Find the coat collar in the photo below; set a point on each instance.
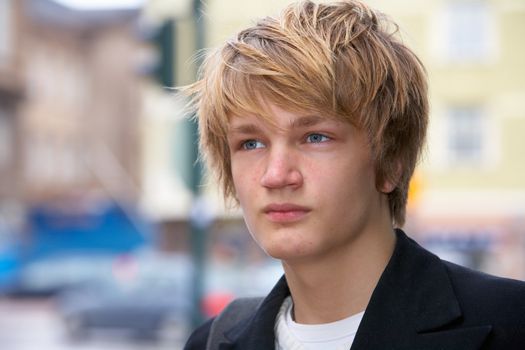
(412, 307)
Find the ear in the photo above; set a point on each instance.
(390, 182)
(388, 186)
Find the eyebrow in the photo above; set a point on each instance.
(306, 121)
(244, 129)
(300, 122)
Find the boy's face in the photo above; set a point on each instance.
(307, 188)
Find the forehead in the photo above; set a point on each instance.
(278, 117)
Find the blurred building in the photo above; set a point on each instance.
(82, 105)
(468, 198)
(70, 108)
(11, 96)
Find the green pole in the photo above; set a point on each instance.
(199, 219)
(164, 39)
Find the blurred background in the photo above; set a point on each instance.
(112, 237)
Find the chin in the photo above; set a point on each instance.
(287, 251)
(285, 243)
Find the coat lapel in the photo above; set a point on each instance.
(414, 306)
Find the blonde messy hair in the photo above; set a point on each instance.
(339, 60)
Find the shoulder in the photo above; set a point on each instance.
(480, 296)
(482, 286)
(500, 300)
(234, 315)
(199, 337)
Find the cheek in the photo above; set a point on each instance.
(343, 182)
(245, 182)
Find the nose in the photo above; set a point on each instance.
(282, 170)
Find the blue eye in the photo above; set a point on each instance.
(317, 138)
(252, 144)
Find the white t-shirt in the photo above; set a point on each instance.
(290, 335)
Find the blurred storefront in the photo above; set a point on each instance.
(70, 108)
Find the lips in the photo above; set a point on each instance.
(285, 212)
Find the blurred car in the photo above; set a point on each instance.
(224, 283)
(50, 275)
(255, 279)
(148, 297)
(259, 279)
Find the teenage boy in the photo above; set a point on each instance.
(313, 122)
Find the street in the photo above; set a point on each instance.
(34, 325)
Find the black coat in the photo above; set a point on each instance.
(419, 303)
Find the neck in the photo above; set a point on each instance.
(336, 286)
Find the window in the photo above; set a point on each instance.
(468, 31)
(466, 135)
